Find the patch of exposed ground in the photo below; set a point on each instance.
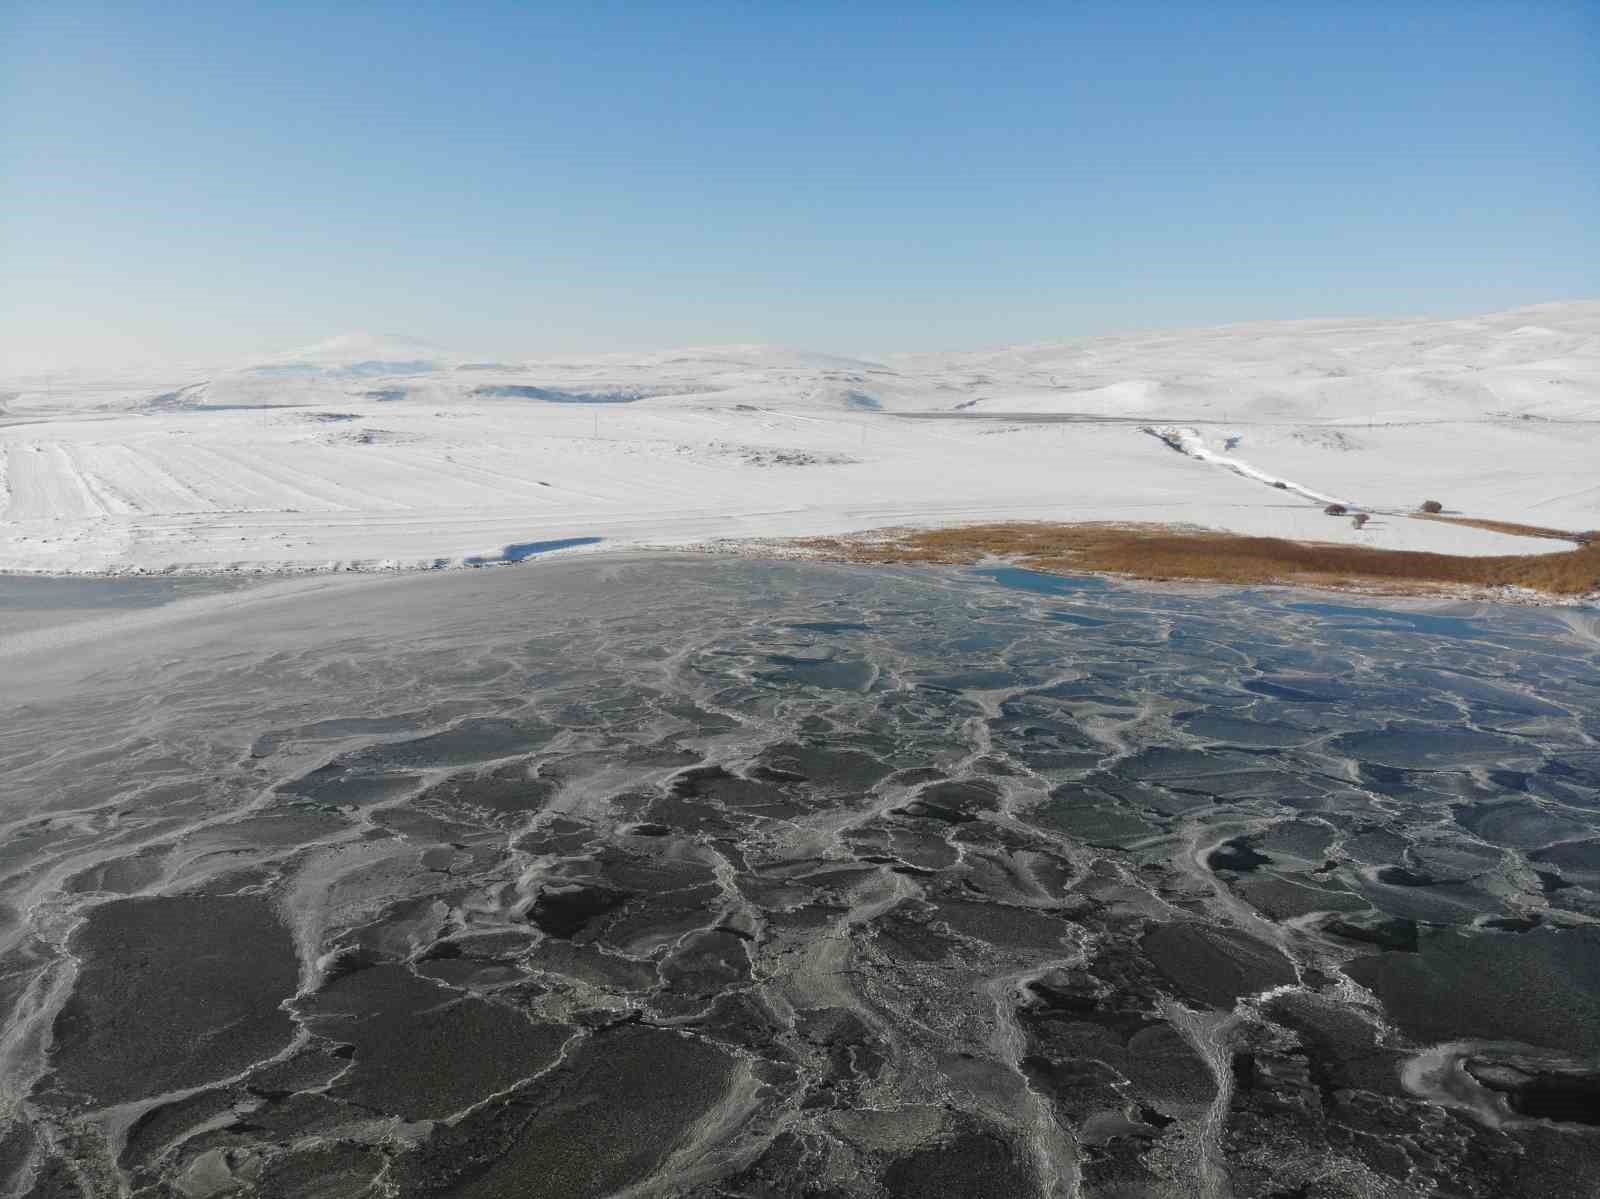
(1511, 528)
(756, 455)
(1167, 552)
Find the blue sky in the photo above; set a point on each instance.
(230, 179)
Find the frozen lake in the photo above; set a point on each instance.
(708, 877)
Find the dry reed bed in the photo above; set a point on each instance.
(1163, 552)
(1506, 526)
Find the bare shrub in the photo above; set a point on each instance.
(1335, 510)
(1432, 506)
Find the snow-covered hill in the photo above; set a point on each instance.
(1542, 361)
(367, 451)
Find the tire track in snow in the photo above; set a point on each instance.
(1189, 443)
(65, 479)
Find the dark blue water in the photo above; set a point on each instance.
(1381, 618)
(1041, 584)
(553, 395)
(522, 550)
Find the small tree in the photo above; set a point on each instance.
(1359, 519)
(1432, 506)
(1335, 510)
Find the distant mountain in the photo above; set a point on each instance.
(1539, 362)
(358, 355)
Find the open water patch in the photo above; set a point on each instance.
(1351, 617)
(1037, 583)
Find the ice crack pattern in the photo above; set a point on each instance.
(713, 878)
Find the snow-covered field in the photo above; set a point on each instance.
(373, 453)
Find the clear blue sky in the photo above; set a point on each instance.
(228, 178)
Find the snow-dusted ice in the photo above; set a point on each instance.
(387, 453)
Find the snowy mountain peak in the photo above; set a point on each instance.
(356, 355)
(347, 348)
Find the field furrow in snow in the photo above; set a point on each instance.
(258, 482)
(140, 478)
(46, 486)
(112, 498)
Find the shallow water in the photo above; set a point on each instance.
(731, 878)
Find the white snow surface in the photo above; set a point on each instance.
(370, 452)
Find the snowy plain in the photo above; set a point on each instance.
(377, 453)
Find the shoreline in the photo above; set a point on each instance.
(1173, 554)
(997, 543)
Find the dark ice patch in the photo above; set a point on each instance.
(1518, 824)
(509, 790)
(1409, 746)
(974, 1164)
(173, 992)
(479, 739)
(1215, 966)
(953, 802)
(1540, 987)
(829, 627)
(843, 674)
(567, 910)
(1003, 925)
(1237, 855)
(826, 767)
(705, 964)
(1092, 817)
(423, 1051)
(1386, 933)
(1237, 730)
(620, 1104)
(1578, 861)
(332, 730)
